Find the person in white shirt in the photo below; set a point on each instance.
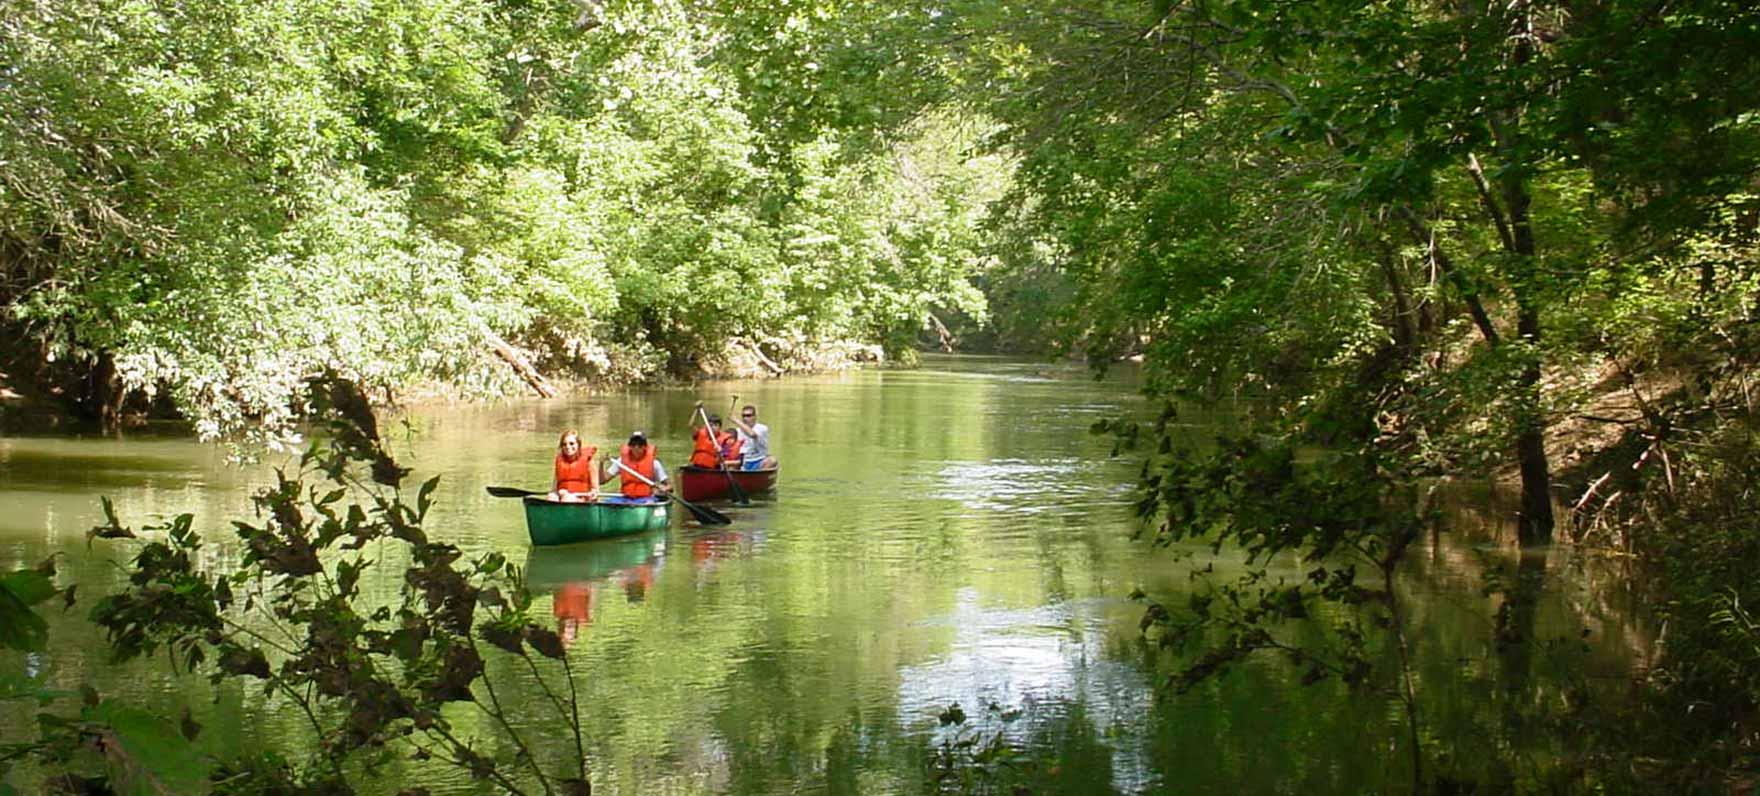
(754, 440)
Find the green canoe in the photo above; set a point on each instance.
(566, 523)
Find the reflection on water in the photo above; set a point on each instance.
(1019, 663)
(1074, 486)
(574, 575)
(951, 535)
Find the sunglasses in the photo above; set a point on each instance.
(748, 414)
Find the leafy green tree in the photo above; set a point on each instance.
(207, 204)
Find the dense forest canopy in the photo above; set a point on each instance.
(211, 202)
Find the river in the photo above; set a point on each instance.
(940, 536)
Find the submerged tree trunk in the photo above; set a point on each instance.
(1536, 519)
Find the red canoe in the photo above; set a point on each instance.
(699, 483)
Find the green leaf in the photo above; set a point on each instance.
(20, 627)
(425, 497)
(112, 527)
(151, 755)
(29, 586)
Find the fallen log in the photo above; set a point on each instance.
(525, 370)
(774, 368)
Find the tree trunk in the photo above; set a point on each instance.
(1405, 334)
(107, 393)
(1536, 521)
(1424, 236)
(525, 370)
(941, 332)
(775, 369)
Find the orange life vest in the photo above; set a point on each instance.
(576, 476)
(704, 454)
(633, 487)
(730, 446)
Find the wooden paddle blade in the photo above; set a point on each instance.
(510, 492)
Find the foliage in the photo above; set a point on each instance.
(373, 678)
(1256, 499)
(1322, 203)
(994, 752)
(138, 752)
(1393, 242)
(207, 204)
(20, 592)
(1697, 525)
(974, 762)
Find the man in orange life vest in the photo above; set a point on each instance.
(639, 456)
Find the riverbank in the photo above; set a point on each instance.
(27, 406)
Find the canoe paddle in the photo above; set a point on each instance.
(514, 491)
(739, 495)
(704, 514)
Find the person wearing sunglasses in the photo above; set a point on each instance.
(754, 439)
(576, 478)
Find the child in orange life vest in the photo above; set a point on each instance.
(576, 480)
(638, 458)
(730, 450)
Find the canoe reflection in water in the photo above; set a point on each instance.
(574, 574)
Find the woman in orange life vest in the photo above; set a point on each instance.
(576, 480)
(641, 457)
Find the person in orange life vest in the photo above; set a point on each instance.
(730, 447)
(641, 457)
(576, 480)
(705, 447)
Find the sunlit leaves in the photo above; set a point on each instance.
(224, 198)
(367, 672)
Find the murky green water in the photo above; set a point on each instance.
(940, 536)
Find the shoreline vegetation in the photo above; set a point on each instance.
(1425, 240)
(56, 410)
